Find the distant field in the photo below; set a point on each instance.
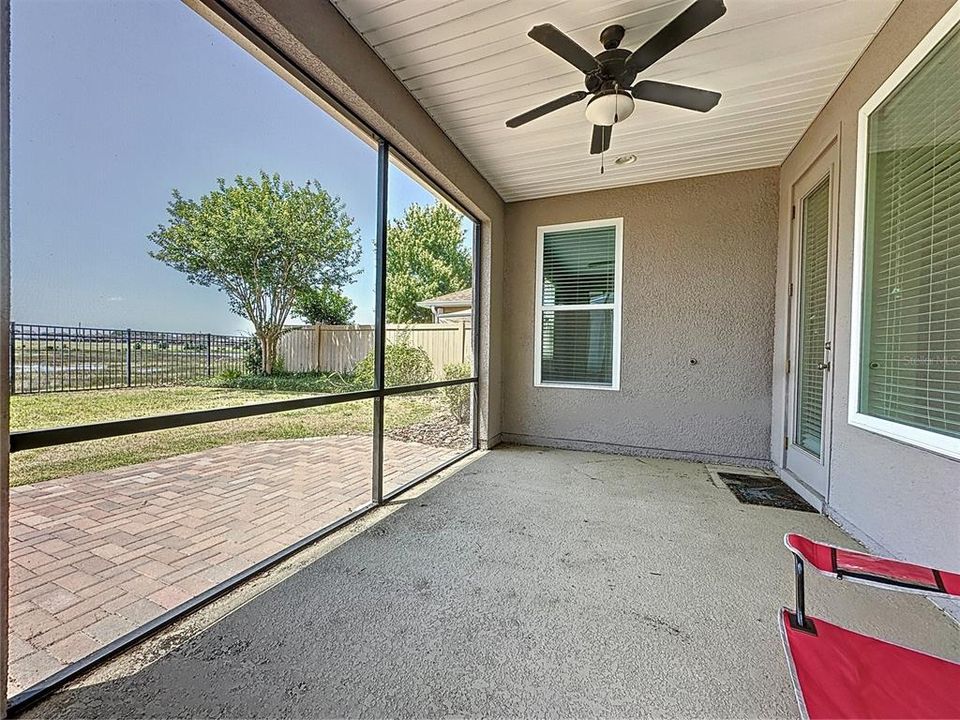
(57, 409)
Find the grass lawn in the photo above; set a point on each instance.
(74, 408)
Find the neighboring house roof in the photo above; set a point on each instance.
(460, 297)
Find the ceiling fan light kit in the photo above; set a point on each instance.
(610, 77)
(609, 107)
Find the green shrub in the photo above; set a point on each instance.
(253, 356)
(457, 397)
(253, 359)
(406, 364)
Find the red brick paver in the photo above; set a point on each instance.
(97, 555)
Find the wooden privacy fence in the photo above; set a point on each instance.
(338, 348)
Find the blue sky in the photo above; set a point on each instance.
(115, 103)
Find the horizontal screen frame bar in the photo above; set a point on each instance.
(47, 437)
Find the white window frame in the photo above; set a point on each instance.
(924, 439)
(538, 381)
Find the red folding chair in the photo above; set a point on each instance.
(838, 673)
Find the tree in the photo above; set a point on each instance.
(324, 306)
(262, 241)
(426, 257)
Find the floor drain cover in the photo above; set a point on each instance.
(762, 490)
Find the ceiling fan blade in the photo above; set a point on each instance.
(600, 142)
(549, 107)
(555, 41)
(683, 27)
(679, 96)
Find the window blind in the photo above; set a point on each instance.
(910, 344)
(577, 306)
(815, 240)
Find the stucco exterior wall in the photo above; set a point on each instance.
(324, 45)
(698, 283)
(898, 498)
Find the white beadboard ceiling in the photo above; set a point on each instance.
(472, 66)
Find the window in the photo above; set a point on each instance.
(812, 320)
(905, 363)
(578, 305)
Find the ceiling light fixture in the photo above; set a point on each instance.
(626, 160)
(609, 106)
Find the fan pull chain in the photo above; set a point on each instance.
(616, 119)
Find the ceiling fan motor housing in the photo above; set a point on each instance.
(612, 71)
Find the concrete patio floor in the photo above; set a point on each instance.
(94, 556)
(530, 583)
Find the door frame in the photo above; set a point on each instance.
(812, 473)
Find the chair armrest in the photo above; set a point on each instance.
(872, 570)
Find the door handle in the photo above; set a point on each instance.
(823, 365)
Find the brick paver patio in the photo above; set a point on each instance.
(97, 555)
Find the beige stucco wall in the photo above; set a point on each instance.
(698, 277)
(898, 498)
(323, 44)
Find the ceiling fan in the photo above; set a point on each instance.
(610, 75)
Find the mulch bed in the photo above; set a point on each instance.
(439, 431)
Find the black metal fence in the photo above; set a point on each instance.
(53, 358)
